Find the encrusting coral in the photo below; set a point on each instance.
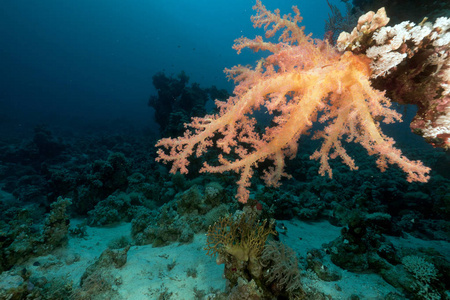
(303, 81)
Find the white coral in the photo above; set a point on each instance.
(443, 23)
(400, 34)
(388, 51)
(386, 62)
(380, 36)
(418, 33)
(442, 40)
(377, 51)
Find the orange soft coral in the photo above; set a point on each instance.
(301, 82)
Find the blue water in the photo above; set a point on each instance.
(93, 60)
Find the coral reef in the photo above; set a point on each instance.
(98, 280)
(20, 239)
(115, 208)
(177, 101)
(13, 286)
(104, 178)
(361, 245)
(304, 85)
(56, 226)
(46, 144)
(191, 211)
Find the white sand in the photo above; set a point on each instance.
(146, 274)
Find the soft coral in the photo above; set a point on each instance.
(300, 79)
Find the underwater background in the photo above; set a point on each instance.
(87, 88)
(94, 60)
